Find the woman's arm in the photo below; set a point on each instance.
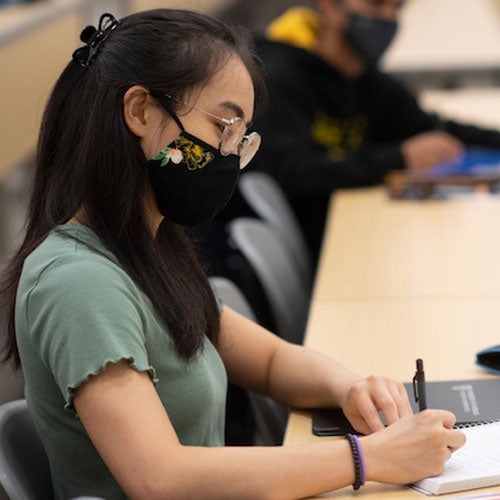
(132, 432)
(130, 428)
(303, 378)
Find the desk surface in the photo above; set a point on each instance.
(386, 336)
(402, 280)
(446, 35)
(377, 248)
(479, 106)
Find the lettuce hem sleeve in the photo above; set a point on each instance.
(139, 367)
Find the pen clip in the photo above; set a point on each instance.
(418, 389)
(415, 387)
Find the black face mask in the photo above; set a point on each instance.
(192, 181)
(370, 36)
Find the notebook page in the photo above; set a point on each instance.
(475, 465)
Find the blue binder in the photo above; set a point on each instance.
(475, 162)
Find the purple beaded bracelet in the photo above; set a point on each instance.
(359, 462)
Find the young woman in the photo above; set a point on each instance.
(125, 351)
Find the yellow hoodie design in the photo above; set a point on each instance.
(297, 26)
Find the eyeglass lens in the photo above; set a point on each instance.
(235, 141)
(249, 147)
(232, 136)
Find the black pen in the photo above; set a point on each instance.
(419, 386)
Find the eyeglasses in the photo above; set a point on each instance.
(234, 138)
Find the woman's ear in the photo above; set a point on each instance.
(136, 110)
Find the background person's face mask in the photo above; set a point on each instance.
(370, 36)
(191, 180)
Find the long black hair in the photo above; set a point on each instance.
(88, 159)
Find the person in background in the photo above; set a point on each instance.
(334, 120)
(125, 351)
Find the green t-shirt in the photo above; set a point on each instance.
(76, 311)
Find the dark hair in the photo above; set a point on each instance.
(88, 159)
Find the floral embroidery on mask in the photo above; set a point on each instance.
(167, 154)
(194, 155)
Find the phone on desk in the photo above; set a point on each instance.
(330, 422)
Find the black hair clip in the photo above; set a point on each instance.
(94, 38)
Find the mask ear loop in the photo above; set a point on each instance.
(176, 119)
(172, 113)
(161, 101)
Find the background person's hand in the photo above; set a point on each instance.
(424, 150)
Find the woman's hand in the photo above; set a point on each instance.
(412, 448)
(367, 396)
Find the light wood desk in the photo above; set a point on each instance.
(446, 35)
(376, 248)
(479, 105)
(402, 280)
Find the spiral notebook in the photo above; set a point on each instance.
(475, 465)
(472, 402)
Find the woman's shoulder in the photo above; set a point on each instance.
(69, 253)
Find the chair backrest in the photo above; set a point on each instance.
(24, 467)
(270, 417)
(283, 285)
(267, 199)
(11, 383)
(230, 294)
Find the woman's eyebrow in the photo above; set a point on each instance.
(234, 107)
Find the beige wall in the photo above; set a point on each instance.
(32, 59)
(29, 66)
(208, 6)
